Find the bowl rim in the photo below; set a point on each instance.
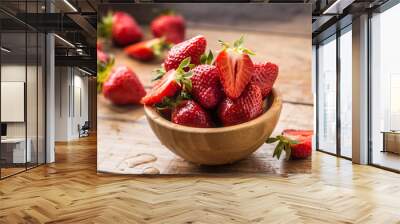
(275, 107)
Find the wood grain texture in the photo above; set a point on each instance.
(127, 145)
(70, 191)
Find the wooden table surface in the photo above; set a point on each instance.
(127, 145)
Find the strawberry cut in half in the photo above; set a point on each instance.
(169, 84)
(147, 50)
(192, 48)
(264, 76)
(297, 144)
(235, 68)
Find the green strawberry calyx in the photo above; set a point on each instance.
(104, 28)
(284, 144)
(172, 102)
(237, 46)
(183, 74)
(159, 45)
(207, 59)
(103, 71)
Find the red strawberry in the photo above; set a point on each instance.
(169, 84)
(264, 76)
(192, 48)
(235, 67)
(172, 27)
(121, 27)
(123, 87)
(245, 108)
(189, 113)
(293, 132)
(146, 50)
(206, 88)
(296, 144)
(302, 149)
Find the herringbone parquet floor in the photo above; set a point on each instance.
(70, 191)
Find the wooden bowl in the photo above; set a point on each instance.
(216, 146)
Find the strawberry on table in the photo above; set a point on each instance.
(170, 26)
(235, 68)
(264, 76)
(245, 108)
(146, 50)
(104, 66)
(297, 144)
(121, 27)
(123, 87)
(206, 88)
(169, 84)
(189, 113)
(192, 48)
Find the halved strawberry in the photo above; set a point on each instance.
(296, 132)
(297, 144)
(146, 50)
(235, 67)
(169, 84)
(264, 76)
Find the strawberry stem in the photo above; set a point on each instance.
(103, 71)
(237, 46)
(105, 26)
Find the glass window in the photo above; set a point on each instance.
(385, 89)
(346, 92)
(327, 96)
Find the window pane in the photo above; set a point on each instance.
(327, 96)
(385, 84)
(346, 94)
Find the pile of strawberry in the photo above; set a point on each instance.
(193, 89)
(120, 84)
(124, 31)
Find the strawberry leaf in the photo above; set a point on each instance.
(271, 140)
(103, 71)
(159, 73)
(238, 43)
(284, 144)
(207, 58)
(184, 63)
(105, 26)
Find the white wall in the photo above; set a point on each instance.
(71, 94)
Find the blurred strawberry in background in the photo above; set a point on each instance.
(147, 50)
(123, 87)
(170, 26)
(121, 28)
(105, 63)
